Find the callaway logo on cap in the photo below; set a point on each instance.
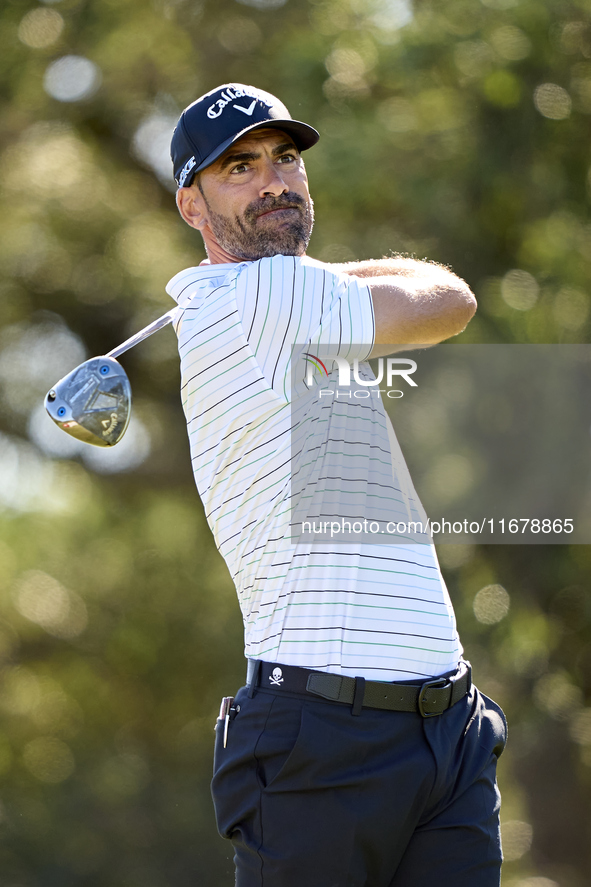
(220, 117)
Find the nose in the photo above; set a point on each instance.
(272, 184)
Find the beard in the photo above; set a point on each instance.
(250, 237)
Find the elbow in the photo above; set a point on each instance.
(461, 307)
(469, 306)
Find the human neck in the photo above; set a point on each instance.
(217, 255)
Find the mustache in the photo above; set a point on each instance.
(291, 200)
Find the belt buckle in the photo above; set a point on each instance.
(435, 684)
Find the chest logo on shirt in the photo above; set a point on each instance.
(277, 677)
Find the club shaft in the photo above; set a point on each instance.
(153, 327)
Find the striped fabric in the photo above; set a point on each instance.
(267, 452)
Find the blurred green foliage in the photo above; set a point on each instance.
(456, 130)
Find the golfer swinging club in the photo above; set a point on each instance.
(358, 754)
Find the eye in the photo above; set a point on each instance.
(240, 168)
(287, 158)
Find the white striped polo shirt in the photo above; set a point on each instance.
(359, 608)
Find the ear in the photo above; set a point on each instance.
(192, 207)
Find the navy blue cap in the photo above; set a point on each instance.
(216, 120)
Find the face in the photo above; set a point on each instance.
(255, 198)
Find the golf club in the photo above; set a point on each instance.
(93, 402)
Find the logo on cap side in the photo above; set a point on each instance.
(184, 173)
(229, 95)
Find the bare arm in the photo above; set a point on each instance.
(415, 303)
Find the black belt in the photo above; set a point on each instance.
(429, 698)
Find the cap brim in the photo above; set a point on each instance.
(303, 135)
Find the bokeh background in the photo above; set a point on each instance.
(457, 130)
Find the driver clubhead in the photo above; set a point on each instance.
(93, 402)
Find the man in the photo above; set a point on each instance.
(359, 754)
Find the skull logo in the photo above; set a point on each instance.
(277, 677)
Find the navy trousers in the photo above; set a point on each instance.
(312, 795)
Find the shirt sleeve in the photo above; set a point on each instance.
(290, 305)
